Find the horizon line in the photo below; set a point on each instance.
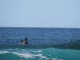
(34, 27)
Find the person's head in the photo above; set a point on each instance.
(25, 38)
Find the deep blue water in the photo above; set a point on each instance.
(40, 41)
(38, 36)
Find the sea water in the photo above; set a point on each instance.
(40, 45)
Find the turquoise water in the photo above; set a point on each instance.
(39, 54)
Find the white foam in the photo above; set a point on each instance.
(28, 55)
(41, 56)
(38, 51)
(3, 52)
(25, 55)
(57, 59)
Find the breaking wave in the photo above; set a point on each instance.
(27, 54)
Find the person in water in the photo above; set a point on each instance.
(25, 42)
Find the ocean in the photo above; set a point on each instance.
(44, 43)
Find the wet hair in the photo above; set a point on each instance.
(25, 38)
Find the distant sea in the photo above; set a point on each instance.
(44, 43)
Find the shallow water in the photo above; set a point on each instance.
(39, 54)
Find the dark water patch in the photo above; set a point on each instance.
(70, 45)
